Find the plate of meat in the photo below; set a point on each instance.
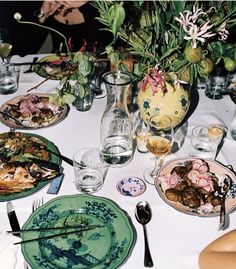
(32, 111)
(55, 67)
(195, 186)
(27, 164)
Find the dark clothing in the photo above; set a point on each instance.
(88, 31)
(27, 39)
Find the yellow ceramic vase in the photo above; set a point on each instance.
(172, 101)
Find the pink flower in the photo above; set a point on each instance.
(155, 79)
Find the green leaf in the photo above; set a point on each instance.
(85, 67)
(114, 57)
(81, 92)
(168, 53)
(118, 19)
(177, 7)
(67, 98)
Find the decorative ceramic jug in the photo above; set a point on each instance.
(172, 101)
(116, 131)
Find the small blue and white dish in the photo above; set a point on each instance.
(131, 186)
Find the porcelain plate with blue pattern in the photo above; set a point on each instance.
(106, 247)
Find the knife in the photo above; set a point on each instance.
(13, 218)
(31, 63)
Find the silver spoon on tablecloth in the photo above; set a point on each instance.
(143, 214)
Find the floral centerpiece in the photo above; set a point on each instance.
(182, 40)
(173, 43)
(77, 69)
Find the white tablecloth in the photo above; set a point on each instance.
(175, 238)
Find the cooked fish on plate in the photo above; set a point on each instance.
(25, 162)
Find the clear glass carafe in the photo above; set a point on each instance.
(116, 131)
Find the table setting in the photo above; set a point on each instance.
(163, 236)
(102, 168)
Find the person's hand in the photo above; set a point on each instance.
(60, 10)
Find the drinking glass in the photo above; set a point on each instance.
(159, 143)
(89, 170)
(5, 45)
(205, 140)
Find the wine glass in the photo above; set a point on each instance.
(158, 143)
(5, 45)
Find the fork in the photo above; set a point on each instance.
(223, 214)
(37, 203)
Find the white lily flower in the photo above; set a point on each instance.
(197, 13)
(199, 33)
(17, 16)
(223, 32)
(185, 20)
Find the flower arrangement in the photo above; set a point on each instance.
(78, 68)
(179, 41)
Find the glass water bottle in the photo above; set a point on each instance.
(116, 131)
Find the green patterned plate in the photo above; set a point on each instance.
(47, 72)
(103, 248)
(52, 147)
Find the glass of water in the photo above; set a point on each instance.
(89, 170)
(205, 140)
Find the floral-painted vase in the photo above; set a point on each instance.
(172, 101)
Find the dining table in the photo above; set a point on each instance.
(175, 238)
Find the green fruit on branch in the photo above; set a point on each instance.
(207, 66)
(185, 75)
(193, 55)
(230, 64)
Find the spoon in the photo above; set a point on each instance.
(143, 214)
(30, 70)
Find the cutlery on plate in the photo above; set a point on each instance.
(143, 214)
(8, 116)
(226, 188)
(31, 63)
(60, 234)
(13, 219)
(64, 158)
(30, 70)
(45, 229)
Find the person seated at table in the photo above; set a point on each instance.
(25, 38)
(77, 21)
(220, 254)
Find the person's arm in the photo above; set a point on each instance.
(221, 253)
(66, 12)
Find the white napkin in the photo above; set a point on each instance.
(10, 255)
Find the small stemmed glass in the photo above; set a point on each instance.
(5, 45)
(159, 143)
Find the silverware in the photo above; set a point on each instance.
(37, 203)
(48, 229)
(59, 234)
(64, 158)
(31, 63)
(30, 70)
(8, 116)
(226, 187)
(143, 215)
(13, 219)
(14, 224)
